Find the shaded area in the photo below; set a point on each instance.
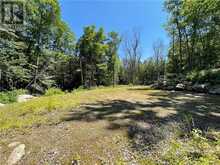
(148, 122)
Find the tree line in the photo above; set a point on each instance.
(45, 53)
(194, 29)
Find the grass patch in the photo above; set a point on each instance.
(19, 115)
(53, 91)
(195, 148)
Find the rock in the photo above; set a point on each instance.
(169, 88)
(200, 87)
(180, 86)
(189, 87)
(16, 154)
(215, 90)
(154, 86)
(2, 105)
(14, 144)
(23, 98)
(165, 83)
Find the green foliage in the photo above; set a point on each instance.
(28, 58)
(53, 91)
(193, 27)
(10, 96)
(98, 56)
(120, 162)
(150, 70)
(113, 61)
(205, 76)
(197, 149)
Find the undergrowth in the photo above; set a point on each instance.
(10, 96)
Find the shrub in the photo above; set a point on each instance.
(53, 91)
(130, 85)
(10, 96)
(205, 76)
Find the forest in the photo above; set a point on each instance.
(103, 79)
(44, 52)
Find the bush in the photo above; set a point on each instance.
(53, 91)
(10, 96)
(130, 84)
(205, 76)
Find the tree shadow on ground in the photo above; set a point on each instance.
(148, 122)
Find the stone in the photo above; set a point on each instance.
(24, 98)
(165, 83)
(13, 144)
(215, 90)
(189, 87)
(169, 88)
(180, 86)
(155, 86)
(16, 154)
(200, 87)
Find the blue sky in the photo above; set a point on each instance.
(119, 15)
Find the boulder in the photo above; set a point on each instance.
(215, 90)
(165, 83)
(13, 144)
(16, 154)
(189, 87)
(23, 98)
(155, 86)
(180, 86)
(169, 88)
(200, 87)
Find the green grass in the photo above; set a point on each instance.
(19, 115)
(53, 91)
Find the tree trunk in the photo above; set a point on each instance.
(81, 69)
(36, 70)
(180, 44)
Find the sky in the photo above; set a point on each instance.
(122, 16)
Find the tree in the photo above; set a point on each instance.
(158, 50)
(194, 28)
(91, 49)
(132, 50)
(28, 54)
(113, 59)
